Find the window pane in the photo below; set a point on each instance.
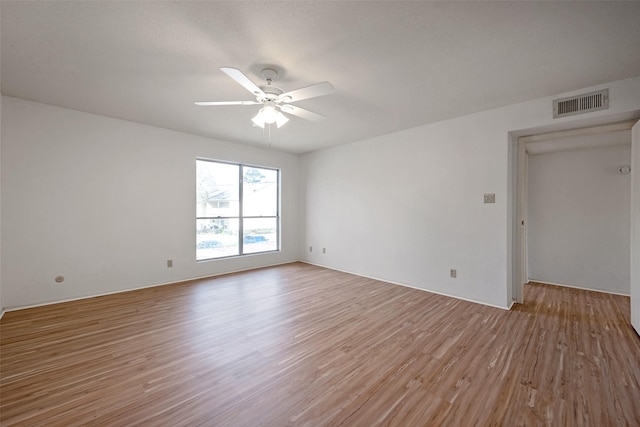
(219, 206)
(260, 192)
(217, 189)
(260, 235)
(216, 238)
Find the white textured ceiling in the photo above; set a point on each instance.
(394, 64)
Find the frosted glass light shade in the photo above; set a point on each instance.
(269, 115)
(281, 119)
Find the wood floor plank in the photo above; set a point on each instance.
(300, 345)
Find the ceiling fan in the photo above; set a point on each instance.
(274, 100)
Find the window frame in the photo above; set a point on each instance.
(241, 217)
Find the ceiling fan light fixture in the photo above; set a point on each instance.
(268, 114)
(281, 119)
(258, 120)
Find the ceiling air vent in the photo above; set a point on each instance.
(585, 103)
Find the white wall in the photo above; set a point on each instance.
(408, 206)
(106, 203)
(579, 218)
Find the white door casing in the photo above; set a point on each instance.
(635, 227)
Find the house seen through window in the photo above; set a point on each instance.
(237, 209)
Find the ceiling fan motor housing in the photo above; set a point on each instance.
(271, 93)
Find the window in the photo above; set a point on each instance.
(237, 210)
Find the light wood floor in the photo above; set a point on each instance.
(298, 345)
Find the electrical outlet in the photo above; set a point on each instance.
(310, 248)
(453, 273)
(490, 198)
(169, 263)
(324, 250)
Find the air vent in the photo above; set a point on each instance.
(585, 103)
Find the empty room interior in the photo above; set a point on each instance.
(311, 213)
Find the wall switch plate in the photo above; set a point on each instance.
(490, 198)
(169, 263)
(453, 273)
(324, 250)
(310, 248)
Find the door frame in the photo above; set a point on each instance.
(634, 286)
(518, 257)
(522, 275)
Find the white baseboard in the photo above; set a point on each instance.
(410, 286)
(24, 307)
(578, 287)
(6, 309)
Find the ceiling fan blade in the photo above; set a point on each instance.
(207, 103)
(243, 80)
(301, 112)
(319, 89)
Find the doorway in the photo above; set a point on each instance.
(543, 142)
